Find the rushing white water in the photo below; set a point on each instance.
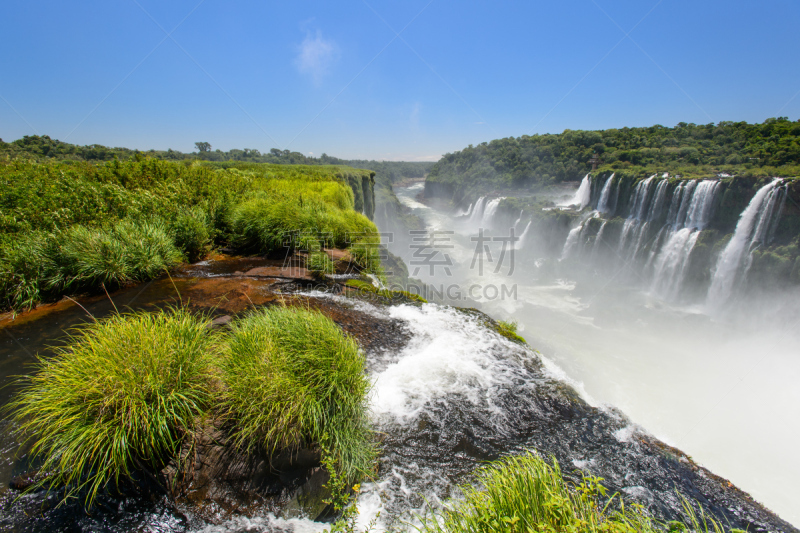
(672, 258)
(572, 241)
(583, 196)
(524, 236)
(723, 393)
(605, 195)
(670, 266)
(476, 215)
(490, 210)
(753, 225)
(519, 218)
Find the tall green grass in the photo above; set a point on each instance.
(521, 494)
(292, 378)
(119, 399)
(42, 265)
(71, 226)
(264, 223)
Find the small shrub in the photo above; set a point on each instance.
(508, 329)
(191, 234)
(293, 378)
(119, 398)
(526, 493)
(127, 251)
(24, 264)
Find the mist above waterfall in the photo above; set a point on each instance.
(615, 295)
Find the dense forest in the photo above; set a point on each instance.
(736, 148)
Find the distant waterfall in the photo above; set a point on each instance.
(571, 242)
(524, 236)
(464, 212)
(490, 210)
(519, 218)
(583, 196)
(605, 196)
(756, 225)
(696, 203)
(576, 235)
(477, 211)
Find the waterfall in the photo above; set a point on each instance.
(572, 241)
(675, 204)
(688, 192)
(754, 223)
(516, 223)
(576, 235)
(602, 204)
(583, 196)
(524, 236)
(477, 211)
(670, 264)
(643, 189)
(698, 214)
(598, 238)
(490, 210)
(690, 213)
(658, 203)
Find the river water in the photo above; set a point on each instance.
(723, 391)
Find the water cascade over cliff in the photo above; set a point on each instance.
(663, 234)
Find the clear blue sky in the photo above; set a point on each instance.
(334, 77)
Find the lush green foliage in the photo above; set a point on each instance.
(121, 396)
(520, 494)
(40, 265)
(73, 225)
(768, 149)
(292, 378)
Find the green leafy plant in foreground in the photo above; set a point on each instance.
(120, 398)
(521, 494)
(291, 378)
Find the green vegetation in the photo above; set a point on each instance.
(737, 148)
(44, 148)
(525, 493)
(129, 391)
(315, 390)
(120, 398)
(320, 263)
(71, 226)
(39, 266)
(508, 329)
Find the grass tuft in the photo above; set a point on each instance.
(293, 378)
(118, 399)
(508, 329)
(525, 493)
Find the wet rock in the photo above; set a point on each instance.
(24, 481)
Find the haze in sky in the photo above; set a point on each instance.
(381, 79)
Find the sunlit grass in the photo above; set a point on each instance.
(292, 378)
(521, 494)
(119, 398)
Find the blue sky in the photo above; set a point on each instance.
(336, 77)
